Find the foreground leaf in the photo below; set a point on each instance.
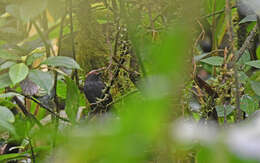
(72, 100)
(18, 72)
(255, 64)
(62, 62)
(6, 115)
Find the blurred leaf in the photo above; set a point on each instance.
(6, 115)
(5, 80)
(18, 72)
(255, 87)
(5, 157)
(248, 104)
(220, 110)
(7, 126)
(43, 79)
(56, 8)
(249, 18)
(72, 100)
(62, 62)
(30, 9)
(6, 65)
(13, 9)
(5, 55)
(245, 58)
(214, 61)
(255, 64)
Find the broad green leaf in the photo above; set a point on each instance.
(18, 72)
(214, 61)
(255, 87)
(249, 18)
(5, 55)
(72, 100)
(255, 64)
(30, 9)
(220, 110)
(62, 62)
(6, 115)
(248, 104)
(43, 79)
(5, 80)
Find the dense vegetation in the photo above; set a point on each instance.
(181, 77)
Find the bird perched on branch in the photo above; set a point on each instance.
(94, 92)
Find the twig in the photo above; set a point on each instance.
(25, 112)
(216, 13)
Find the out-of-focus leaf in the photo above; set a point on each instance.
(4, 125)
(62, 61)
(5, 157)
(220, 110)
(18, 72)
(245, 58)
(5, 55)
(248, 104)
(13, 10)
(6, 65)
(43, 79)
(214, 61)
(6, 115)
(5, 80)
(255, 64)
(56, 8)
(30, 9)
(255, 87)
(249, 18)
(72, 100)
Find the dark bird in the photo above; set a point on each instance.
(94, 92)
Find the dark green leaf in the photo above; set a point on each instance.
(62, 62)
(5, 80)
(72, 100)
(44, 80)
(18, 72)
(214, 61)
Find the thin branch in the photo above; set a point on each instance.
(32, 150)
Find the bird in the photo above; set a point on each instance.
(94, 92)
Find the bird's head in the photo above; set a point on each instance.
(94, 75)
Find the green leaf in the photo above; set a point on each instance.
(62, 61)
(255, 87)
(30, 9)
(9, 94)
(255, 64)
(6, 115)
(248, 104)
(11, 156)
(220, 110)
(4, 125)
(5, 55)
(43, 79)
(214, 61)
(18, 72)
(249, 18)
(5, 80)
(72, 100)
